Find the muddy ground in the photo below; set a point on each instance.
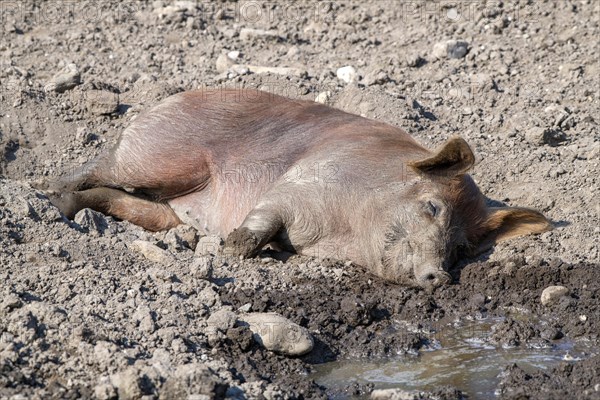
(83, 314)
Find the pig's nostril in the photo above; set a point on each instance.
(428, 278)
(435, 279)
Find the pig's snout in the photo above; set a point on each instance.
(433, 278)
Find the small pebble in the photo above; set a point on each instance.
(347, 74)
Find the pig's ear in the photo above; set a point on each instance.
(453, 158)
(508, 222)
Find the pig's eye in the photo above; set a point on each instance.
(431, 208)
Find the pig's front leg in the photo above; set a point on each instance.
(257, 230)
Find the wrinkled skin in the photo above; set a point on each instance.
(258, 168)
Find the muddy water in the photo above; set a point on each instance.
(459, 356)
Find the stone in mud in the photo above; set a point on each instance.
(553, 293)
(278, 334)
(152, 252)
(65, 80)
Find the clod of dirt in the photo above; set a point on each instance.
(278, 334)
(450, 49)
(209, 245)
(222, 320)
(249, 34)
(182, 237)
(102, 102)
(540, 136)
(553, 293)
(65, 80)
(92, 221)
(152, 252)
(202, 268)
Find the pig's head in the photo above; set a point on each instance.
(443, 215)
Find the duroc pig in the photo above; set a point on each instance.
(257, 168)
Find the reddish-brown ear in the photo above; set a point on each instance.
(508, 222)
(453, 158)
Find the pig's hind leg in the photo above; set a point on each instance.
(150, 215)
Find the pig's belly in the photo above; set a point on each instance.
(194, 209)
(217, 211)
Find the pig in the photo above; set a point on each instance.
(257, 169)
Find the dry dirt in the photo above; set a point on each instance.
(82, 314)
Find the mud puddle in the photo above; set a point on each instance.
(460, 357)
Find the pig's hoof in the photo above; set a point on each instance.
(241, 242)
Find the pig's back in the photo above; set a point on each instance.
(242, 125)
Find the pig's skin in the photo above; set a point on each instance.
(310, 178)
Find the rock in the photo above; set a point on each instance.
(278, 334)
(323, 97)
(252, 34)
(91, 221)
(102, 102)
(233, 55)
(65, 80)
(347, 74)
(152, 252)
(209, 245)
(450, 49)
(224, 62)
(222, 320)
(202, 268)
(553, 293)
(540, 136)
